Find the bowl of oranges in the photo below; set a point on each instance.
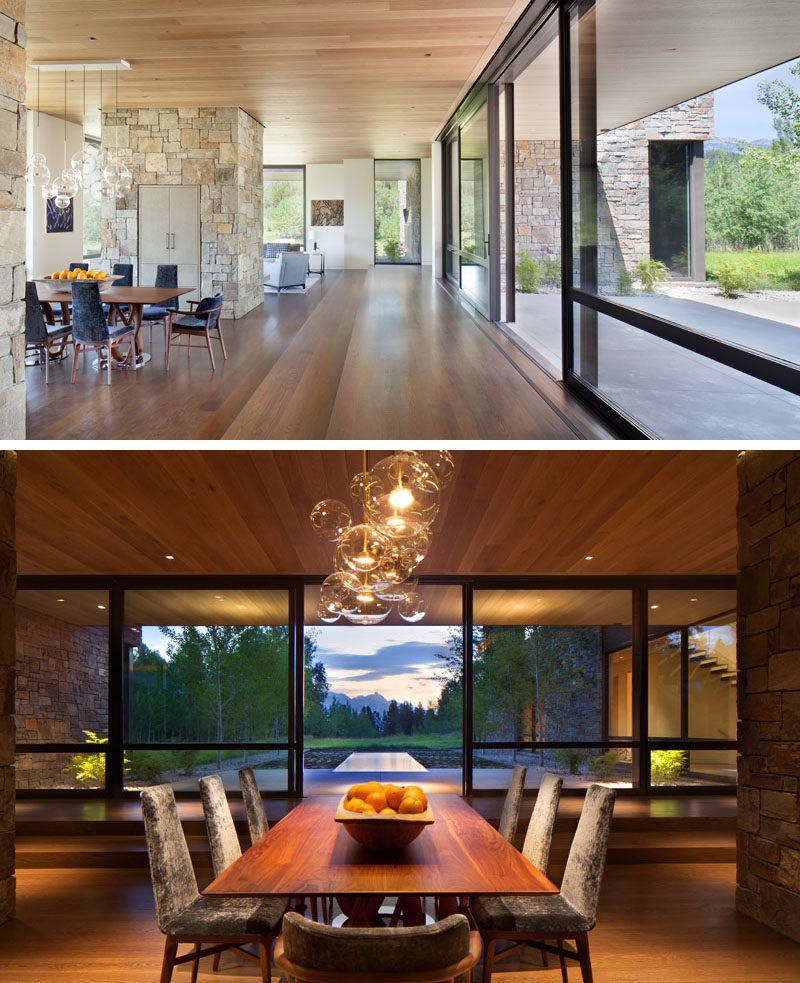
(61, 281)
(384, 817)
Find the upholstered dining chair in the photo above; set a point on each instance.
(198, 323)
(253, 806)
(78, 266)
(568, 915)
(222, 836)
(166, 276)
(539, 836)
(125, 270)
(39, 336)
(183, 914)
(90, 329)
(308, 952)
(509, 817)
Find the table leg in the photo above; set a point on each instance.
(66, 317)
(446, 904)
(411, 907)
(361, 909)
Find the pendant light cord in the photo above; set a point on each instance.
(65, 119)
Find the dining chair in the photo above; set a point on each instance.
(253, 806)
(186, 916)
(78, 266)
(222, 836)
(539, 835)
(198, 323)
(509, 817)
(568, 915)
(166, 276)
(38, 335)
(124, 270)
(308, 952)
(90, 328)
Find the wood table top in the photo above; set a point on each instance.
(307, 853)
(118, 295)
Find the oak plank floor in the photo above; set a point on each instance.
(383, 353)
(658, 923)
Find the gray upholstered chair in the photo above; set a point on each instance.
(254, 807)
(39, 336)
(90, 329)
(539, 836)
(308, 952)
(198, 323)
(166, 276)
(183, 914)
(571, 913)
(222, 836)
(509, 817)
(289, 269)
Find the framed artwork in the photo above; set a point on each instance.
(58, 219)
(327, 211)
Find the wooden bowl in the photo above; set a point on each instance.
(65, 286)
(383, 832)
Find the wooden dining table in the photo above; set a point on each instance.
(134, 298)
(307, 854)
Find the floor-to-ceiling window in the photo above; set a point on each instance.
(284, 206)
(91, 213)
(398, 211)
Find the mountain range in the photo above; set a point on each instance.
(731, 144)
(374, 701)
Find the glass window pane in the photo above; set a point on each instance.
(664, 682)
(474, 208)
(284, 205)
(91, 217)
(207, 666)
(579, 767)
(181, 769)
(61, 770)
(693, 768)
(398, 199)
(674, 393)
(385, 701)
(62, 666)
(620, 692)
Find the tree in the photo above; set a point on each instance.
(783, 101)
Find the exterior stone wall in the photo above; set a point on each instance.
(623, 188)
(768, 854)
(61, 691)
(220, 150)
(8, 580)
(12, 219)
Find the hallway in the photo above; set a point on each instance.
(384, 353)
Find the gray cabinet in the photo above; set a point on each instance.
(169, 232)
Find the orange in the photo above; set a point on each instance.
(64, 275)
(377, 800)
(394, 795)
(369, 809)
(411, 805)
(100, 275)
(352, 792)
(416, 790)
(74, 274)
(388, 812)
(83, 276)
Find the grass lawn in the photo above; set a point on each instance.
(778, 271)
(398, 742)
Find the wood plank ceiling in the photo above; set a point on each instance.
(246, 512)
(329, 79)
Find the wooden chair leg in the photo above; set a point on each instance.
(582, 945)
(264, 948)
(75, 361)
(221, 339)
(195, 963)
(562, 961)
(170, 951)
(210, 352)
(169, 347)
(215, 964)
(545, 963)
(488, 960)
(45, 354)
(109, 356)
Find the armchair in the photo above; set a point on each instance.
(288, 269)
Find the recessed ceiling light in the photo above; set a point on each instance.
(692, 599)
(653, 607)
(241, 607)
(60, 600)
(218, 597)
(169, 556)
(427, 54)
(101, 607)
(590, 557)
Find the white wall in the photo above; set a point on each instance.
(352, 246)
(46, 253)
(326, 181)
(359, 213)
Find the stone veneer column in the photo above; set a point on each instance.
(8, 579)
(12, 219)
(768, 846)
(221, 150)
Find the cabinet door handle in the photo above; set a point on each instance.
(167, 240)
(173, 240)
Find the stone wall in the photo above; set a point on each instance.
(8, 577)
(61, 691)
(218, 149)
(768, 854)
(623, 188)
(12, 219)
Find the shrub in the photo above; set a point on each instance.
(735, 279)
(604, 764)
(668, 764)
(530, 273)
(147, 766)
(552, 271)
(90, 769)
(569, 759)
(393, 250)
(624, 283)
(651, 272)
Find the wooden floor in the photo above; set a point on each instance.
(671, 923)
(386, 353)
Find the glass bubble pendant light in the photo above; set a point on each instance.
(330, 519)
(37, 171)
(83, 162)
(65, 185)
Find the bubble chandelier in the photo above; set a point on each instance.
(374, 559)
